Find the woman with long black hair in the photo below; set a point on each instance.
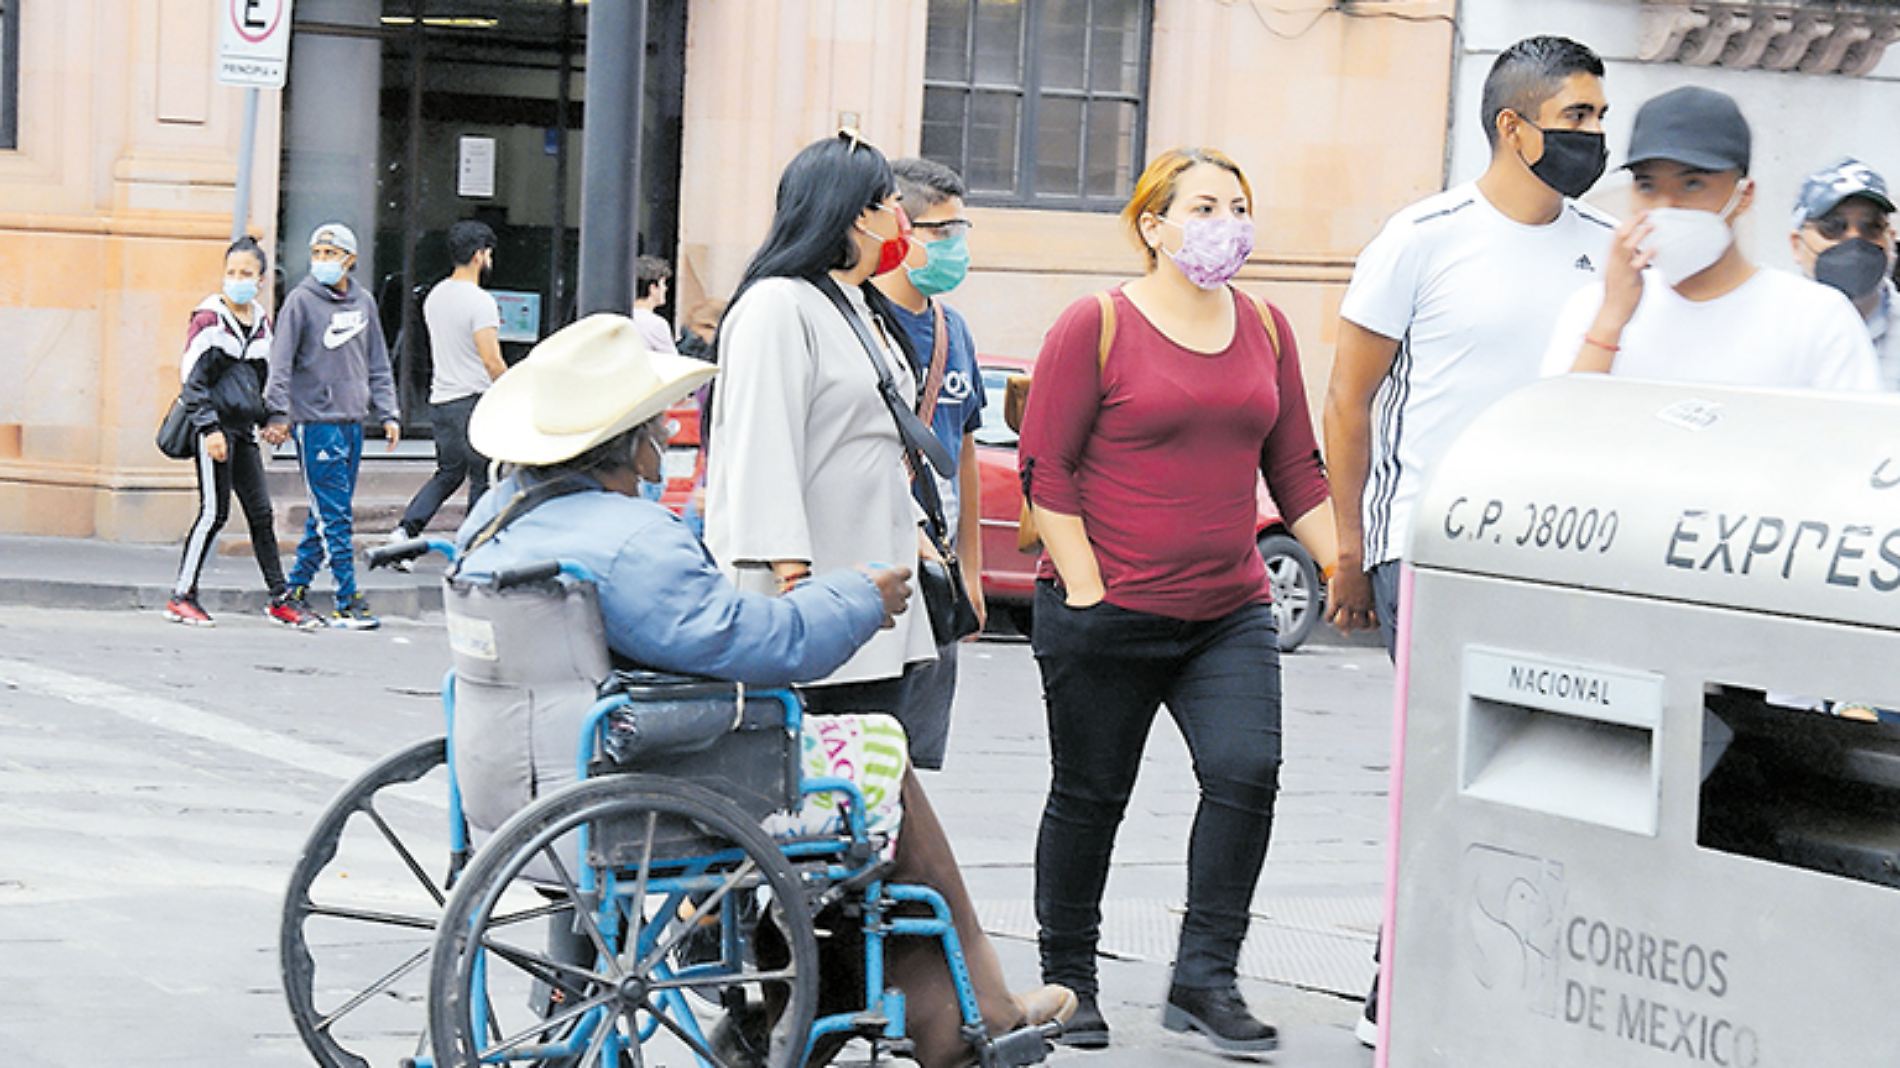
(806, 469)
(806, 474)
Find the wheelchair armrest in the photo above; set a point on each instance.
(526, 574)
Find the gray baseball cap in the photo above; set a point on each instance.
(1826, 188)
(335, 235)
(1693, 126)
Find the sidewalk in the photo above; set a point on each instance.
(85, 573)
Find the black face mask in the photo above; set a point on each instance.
(1855, 267)
(1573, 160)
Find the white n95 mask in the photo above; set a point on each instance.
(1684, 242)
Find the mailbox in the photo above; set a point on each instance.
(1637, 820)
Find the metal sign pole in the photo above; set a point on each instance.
(247, 151)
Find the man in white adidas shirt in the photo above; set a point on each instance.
(1451, 303)
(1448, 308)
(1679, 301)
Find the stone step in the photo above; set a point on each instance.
(373, 520)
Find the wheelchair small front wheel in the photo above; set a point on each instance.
(360, 912)
(652, 889)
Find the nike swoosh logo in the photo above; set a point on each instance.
(332, 337)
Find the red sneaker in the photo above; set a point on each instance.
(185, 610)
(293, 613)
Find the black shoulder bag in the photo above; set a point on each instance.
(946, 598)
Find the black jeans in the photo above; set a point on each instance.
(1105, 672)
(455, 460)
(241, 470)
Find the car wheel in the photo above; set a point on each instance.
(1021, 617)
(1297, 594)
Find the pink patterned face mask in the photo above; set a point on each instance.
(1212, 250)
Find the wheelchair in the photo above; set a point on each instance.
(638, 914)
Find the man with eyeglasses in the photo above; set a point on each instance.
(950, 400)
(1843, 237)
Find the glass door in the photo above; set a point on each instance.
(477, 113)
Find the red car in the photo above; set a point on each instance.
(1009, 575)
(679, 466)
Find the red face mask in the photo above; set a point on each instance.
(891, 254)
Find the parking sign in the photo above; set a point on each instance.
(254, 43)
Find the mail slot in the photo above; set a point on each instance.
(1647, 799)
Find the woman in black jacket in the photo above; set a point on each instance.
(227, 356)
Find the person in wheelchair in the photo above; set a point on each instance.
(582, 423)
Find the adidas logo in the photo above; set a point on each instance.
(1583, 264)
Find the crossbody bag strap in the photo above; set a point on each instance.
(911, 429)
(920, 445)
(939, 358)
(525, 500)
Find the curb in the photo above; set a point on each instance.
(409, 602)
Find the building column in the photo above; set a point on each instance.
(333, 134)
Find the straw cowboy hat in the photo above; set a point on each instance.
(580, 386)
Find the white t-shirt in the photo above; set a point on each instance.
(1470, 294)
(653, 330)
(1776, 330)
(453, 311)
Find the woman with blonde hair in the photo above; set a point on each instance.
(1157, 408)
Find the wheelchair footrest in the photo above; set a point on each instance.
(1024, 1046)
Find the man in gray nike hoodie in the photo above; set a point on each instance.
(329, 369)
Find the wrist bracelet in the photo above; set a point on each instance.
(1605, 346)
(1326, 573)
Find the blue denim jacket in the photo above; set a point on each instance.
(663, 600)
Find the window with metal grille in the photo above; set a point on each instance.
(9, 73)
(1038, 103)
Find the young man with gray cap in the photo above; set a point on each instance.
(1679, 301)
(329, 369)
(1843, 237)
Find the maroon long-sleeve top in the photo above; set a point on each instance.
(1158, 452)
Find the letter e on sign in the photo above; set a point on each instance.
(253, 43)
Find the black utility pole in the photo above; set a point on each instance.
(554, 315)
(610, 150)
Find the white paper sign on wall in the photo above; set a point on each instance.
(475, 169)
(254, 42)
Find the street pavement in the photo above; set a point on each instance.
(157, 781)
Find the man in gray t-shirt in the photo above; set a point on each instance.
(464, 342)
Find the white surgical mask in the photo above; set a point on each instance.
(1684, 242)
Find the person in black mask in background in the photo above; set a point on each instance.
(1449, 309)
(1843, 237)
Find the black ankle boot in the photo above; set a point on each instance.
(1222, 1016)
(1086, 1029)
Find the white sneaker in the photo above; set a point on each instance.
(1366, 1031)
(397, 537)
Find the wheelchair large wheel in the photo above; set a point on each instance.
(360, 914)
(660, 889)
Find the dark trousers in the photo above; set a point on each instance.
(1105, 672)
(241, 470)
(916, 698)
(1385, 602)
(455, 460)
(876, 697)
